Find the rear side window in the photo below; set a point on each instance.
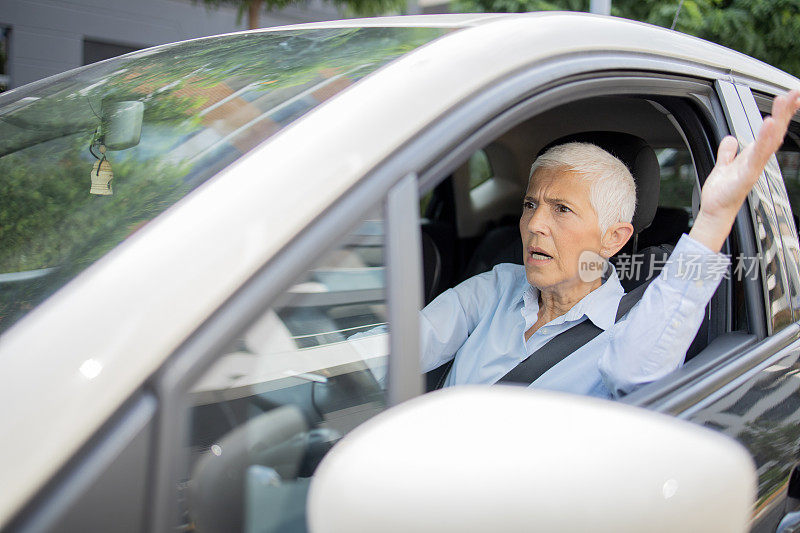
(480, 169)
(789, 162)
(678, 178)
(674, 215)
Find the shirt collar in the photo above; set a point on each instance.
(600, 305)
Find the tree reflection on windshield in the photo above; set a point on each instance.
(206, 103)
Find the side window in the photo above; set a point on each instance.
(480, 169)
(305, 372)
(678, 179)
(789, 163)
(675, 215)
(788, 158)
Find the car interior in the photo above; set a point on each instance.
(470, 219)
(277, 427)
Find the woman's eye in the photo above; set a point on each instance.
(527, 204)
(561, 208)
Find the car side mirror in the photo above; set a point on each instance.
(121, 124)
(509, 459)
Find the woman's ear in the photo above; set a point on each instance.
(615, 238)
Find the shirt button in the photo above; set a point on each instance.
(543, 331)
(698, 283)
(676, 323)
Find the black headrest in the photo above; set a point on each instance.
(640, 159)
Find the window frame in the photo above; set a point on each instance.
(763, 103)
(432, 154)
(746, 125)
(610, 84)
(389, 187)
(106, 471)
(699, 377)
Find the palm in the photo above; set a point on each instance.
(734, 175)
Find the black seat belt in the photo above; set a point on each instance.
(557, 348)
(565, 343)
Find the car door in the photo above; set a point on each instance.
(741, 384)
(322, 339)
(754, 397)
(782, 176)
(753, 353)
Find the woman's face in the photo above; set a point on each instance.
(558, 223)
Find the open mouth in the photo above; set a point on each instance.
(538, 254)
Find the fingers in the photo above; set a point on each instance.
(727, 150)
(773, 129)
(770, 138)
(783, 109)
(785, 105)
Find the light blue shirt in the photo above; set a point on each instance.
(482, 323)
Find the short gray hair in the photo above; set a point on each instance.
(612, 190)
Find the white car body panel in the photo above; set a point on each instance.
(67, 366)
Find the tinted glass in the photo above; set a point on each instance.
(678, 178)
(307, 371)
(787, 178)
(89, 157)
(674, 215)
(480, 170)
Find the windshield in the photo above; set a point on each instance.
(89, 158)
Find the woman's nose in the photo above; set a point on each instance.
(539, 221)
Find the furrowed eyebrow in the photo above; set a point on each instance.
(551, 201)
(558, 201)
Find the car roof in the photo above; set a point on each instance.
(126, 313)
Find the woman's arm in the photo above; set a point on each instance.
(734, 175)
(447, 322)
(651, 341)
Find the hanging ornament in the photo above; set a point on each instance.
(101, 175)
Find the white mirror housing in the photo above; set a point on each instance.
(510, 459)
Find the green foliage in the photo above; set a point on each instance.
(677, 178)
(768, 30)
(519, 6)
(480, 170)
(48, 219)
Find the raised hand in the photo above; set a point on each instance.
(733, 176)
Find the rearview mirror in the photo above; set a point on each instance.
(121, 124)
(510, 459)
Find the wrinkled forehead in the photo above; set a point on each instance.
(560, 183)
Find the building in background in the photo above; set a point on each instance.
(39, 38)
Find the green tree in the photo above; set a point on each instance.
(52, 228)
(768, 30)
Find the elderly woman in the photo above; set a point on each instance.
(579, 202)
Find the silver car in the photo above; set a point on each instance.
(214, 253)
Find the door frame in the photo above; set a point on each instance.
(443, 146)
